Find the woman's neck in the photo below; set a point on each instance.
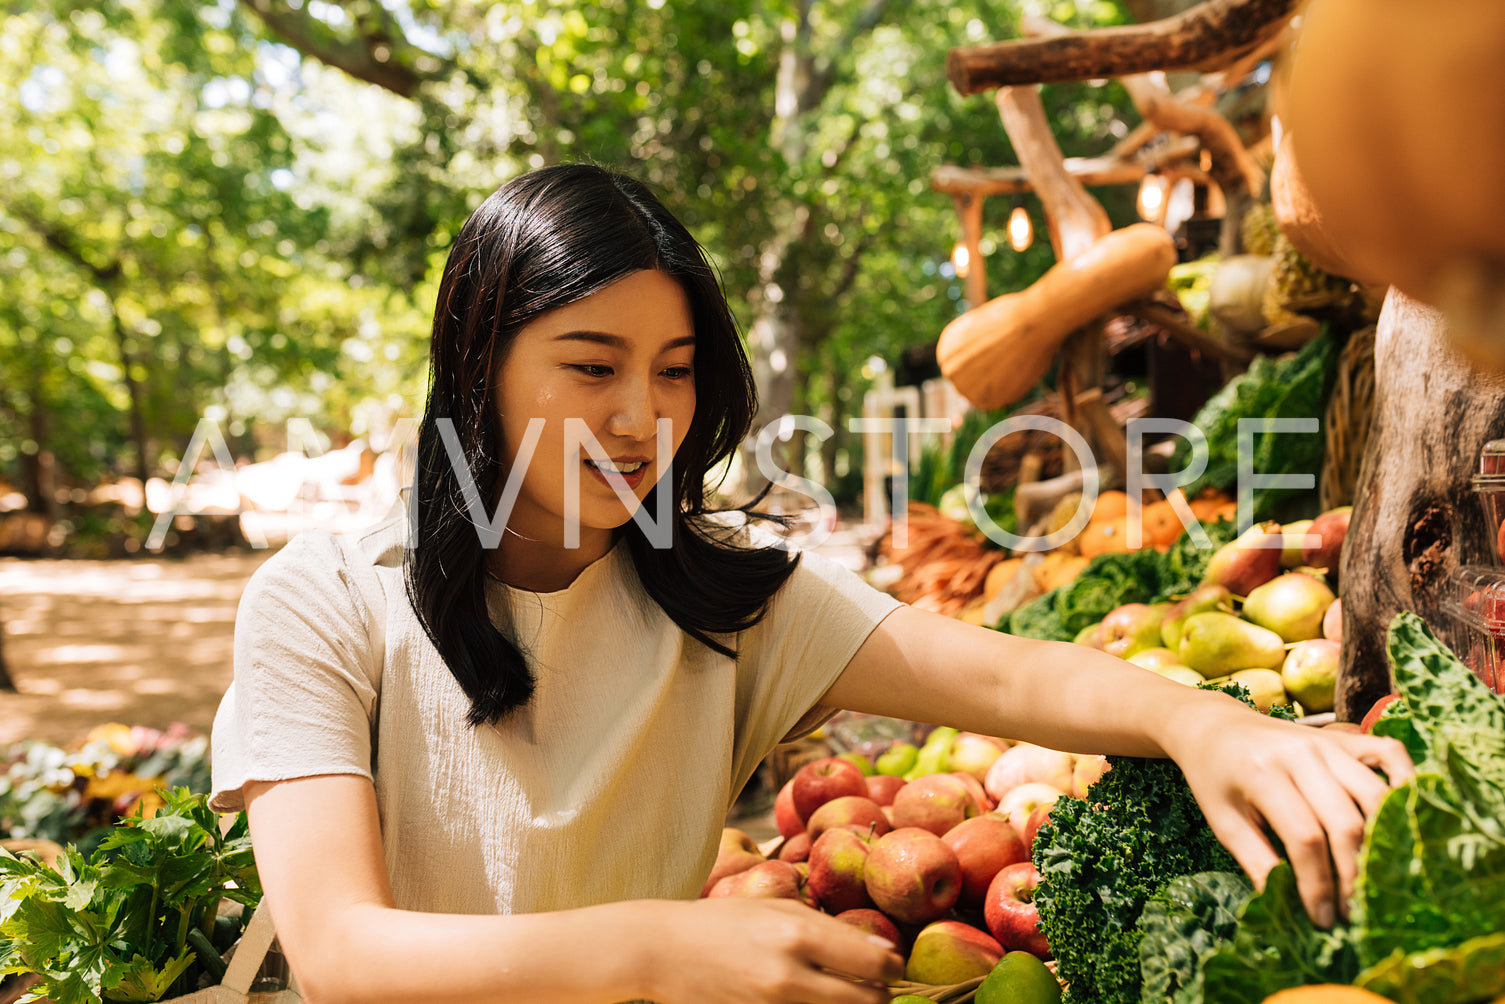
(540, 566)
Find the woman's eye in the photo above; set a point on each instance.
(678, 372)
(592, 369)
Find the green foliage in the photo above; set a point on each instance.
(1104, 858)
(1180, 926)
(1277, 946)
(1111, 580)
(1292, 386)
(117, 924)
(1425, 918)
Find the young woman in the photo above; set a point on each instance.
(488, 746)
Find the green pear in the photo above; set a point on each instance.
(1265, 686)
(1292, 605)
(1154, 658)
(1214, 643)
(1181, 674)
(1199, 600)
(1310, 673)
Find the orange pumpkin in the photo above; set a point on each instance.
(1326, 993)
(1110, 504)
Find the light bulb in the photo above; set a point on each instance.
(1021, 230)
(1152, 197)
(961, 260)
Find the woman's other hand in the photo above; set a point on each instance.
(767, 951)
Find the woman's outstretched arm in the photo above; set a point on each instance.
(318, 850)
(1311, 787)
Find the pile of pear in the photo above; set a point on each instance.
(1266, 615)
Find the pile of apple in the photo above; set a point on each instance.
(938, 864)
(1265, 615)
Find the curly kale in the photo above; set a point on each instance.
(1102, 859)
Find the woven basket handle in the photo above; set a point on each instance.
(250, 951)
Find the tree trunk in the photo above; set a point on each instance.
(39, 469)
(6, 683)
(1415, 519)
(133, 390)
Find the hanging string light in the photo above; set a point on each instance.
(1021, 230)
(1152, 193)
(961, 259)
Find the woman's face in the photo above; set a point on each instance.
(617, 361)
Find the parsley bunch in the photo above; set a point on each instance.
(137, 920)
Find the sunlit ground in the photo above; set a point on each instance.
(143, 642)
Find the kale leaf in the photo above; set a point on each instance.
(1180, 926)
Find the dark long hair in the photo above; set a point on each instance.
(543, 240)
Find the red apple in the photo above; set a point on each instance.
(912, 875)
(934, 802)
(784, 817)
(881, 788)
(983, 845)
(1087, 770)
(1036, 819)
(1332, 528)
(1332, 621)
(737, 852)
(973, 753)
(873, 922)
(948, 951)
(796, 848)
(851, 811)
(818, 782)
(1027, 762)
(769, 880)
(1010, 910)
(838, 866)
(1376, 709)
(1018, 803)
(979, 794)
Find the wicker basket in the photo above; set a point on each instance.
(1350, 410)
(256, 972)
(955, 993)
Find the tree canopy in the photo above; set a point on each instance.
(239, 210)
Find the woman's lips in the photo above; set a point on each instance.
(613, 479)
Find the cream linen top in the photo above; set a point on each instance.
(613, 783)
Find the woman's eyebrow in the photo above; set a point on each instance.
(618, 342)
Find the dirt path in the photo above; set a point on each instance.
(142, 642)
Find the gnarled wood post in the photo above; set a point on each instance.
(1415, 519)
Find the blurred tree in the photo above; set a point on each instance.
(239, 209)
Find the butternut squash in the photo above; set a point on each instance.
(996, 352)
(1397, 115)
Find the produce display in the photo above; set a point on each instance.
(926, 845)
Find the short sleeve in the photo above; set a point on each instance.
(813, 626)
(307, 673)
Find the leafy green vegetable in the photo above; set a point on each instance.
(1277, 946)
(1293, 386)
(1430, 898)
(117, 924)
(1103, 858)
(1111, 580)
(1472, 971)
(1180, 925)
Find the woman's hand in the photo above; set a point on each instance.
(766, 951)
(1312, 787)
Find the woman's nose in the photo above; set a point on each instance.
(634, 412)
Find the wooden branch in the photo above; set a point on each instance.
(1090, 171)
(1192, 337)
(969, 212)
(1075, 219)
(1232, 166)
(377, 53)
(1207, 37)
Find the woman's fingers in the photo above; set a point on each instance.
(1296, 820)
